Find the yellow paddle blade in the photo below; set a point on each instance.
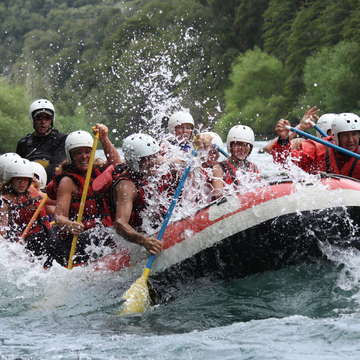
(137, 297)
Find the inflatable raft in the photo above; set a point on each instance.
(281, 224)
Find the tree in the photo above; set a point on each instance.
(255, 97)
(13, 115)
(332, 79)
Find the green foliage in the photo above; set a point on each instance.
(14, 119)
(278, 18)
(255, 97)
(332, 78)
(128, 63)
(78, 121)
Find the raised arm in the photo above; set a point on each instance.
(112, 155)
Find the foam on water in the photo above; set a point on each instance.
(303, 312)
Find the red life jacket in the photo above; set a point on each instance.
(350, 165)
(21, 210)
(122, 172)
(97, 207)
(311, 157)
(314, 157)
(230, 168)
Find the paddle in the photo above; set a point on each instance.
(34, 217)
(83, 198)
(137, 297)
(219, 149)
(322, 133)
(324, 142)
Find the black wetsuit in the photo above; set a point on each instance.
(49, 148)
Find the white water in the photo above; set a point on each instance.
(309, 312)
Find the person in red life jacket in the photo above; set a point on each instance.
(240, 142)
(143, 159)
(307, 122)
(17, 206)
(199, 189)
(67, 189)
(313, 157)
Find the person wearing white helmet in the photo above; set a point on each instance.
(4, 160)
(324, 123)
(284, 136)
(40, 176)
(46, 144)
(313, 157)
(67, 187)
(180, 127)
(199, 188)
(240, 142)
(132, 187)
(17, 206)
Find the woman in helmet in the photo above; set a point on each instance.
(240, 142)
(18, 205)
(199, 189)
(313, 157)
(67, 188)
(180, 126)
(131, 188)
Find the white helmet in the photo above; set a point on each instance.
(77, 139)
(18, 167)
(42, 105)
(137, 146)
(345, 122)
(40, 173)
(325, 122)
(216, 140)
(4, 160)
(241, 133)
(179, 118)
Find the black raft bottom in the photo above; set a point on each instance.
(282, 241)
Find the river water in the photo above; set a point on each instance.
(301, 312)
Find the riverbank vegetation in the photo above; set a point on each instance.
(131, 63)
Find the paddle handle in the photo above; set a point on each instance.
(170, 210)
(83, 198)
(323, 134)
(34, 217)
(324, 142)
(220, 150)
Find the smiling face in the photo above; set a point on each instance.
(240, 150)
(20, 184)
(80, 158)
(349, 140)
(43, 124)
(183, 131)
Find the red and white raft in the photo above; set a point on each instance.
(274, 226)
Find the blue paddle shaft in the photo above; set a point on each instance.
(219, 149)
(170, 210)
(324, 142)
(320, 131)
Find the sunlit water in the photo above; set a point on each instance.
(301, 312)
